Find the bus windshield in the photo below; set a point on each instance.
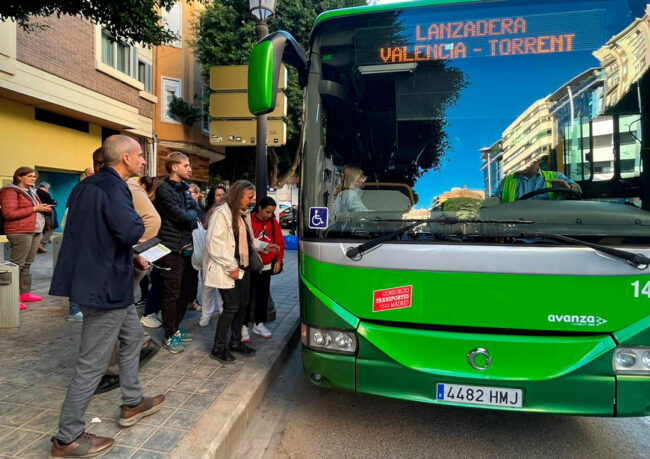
(504, 111)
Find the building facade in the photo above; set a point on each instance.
(63, 89)
(178, 74)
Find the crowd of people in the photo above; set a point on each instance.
(221, 259)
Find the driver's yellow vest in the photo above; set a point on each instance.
(509, 192)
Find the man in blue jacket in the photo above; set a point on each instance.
(97, 274)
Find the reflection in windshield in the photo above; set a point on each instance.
(508, 110)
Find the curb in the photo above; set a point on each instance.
(218, 432)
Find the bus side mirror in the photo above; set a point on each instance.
(264, 69)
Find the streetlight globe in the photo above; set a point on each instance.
(262, 9)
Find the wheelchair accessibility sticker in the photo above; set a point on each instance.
(318, 217)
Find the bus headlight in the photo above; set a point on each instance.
(327, 340)
(632, 360)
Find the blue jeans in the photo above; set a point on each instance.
(73, 308)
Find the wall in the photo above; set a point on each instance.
(26, 142)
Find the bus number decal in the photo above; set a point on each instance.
(638, 291)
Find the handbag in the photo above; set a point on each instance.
(198, 241)
(254, 260)
(274, 261)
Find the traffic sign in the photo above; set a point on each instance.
(233, 105)
(235, 78)
(242, 133)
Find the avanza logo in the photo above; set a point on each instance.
(579, 320)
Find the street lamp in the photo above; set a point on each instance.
(261, 11)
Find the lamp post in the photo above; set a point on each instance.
(261, 11)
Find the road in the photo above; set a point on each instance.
(300, 420)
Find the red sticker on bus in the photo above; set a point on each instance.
(392, 298)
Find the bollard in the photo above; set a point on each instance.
(9, 296)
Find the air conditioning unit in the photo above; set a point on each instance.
(9, 296)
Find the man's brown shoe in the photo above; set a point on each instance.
(148, 405)
(87, 445)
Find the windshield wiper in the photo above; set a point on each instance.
(638, 260)
(355, 253)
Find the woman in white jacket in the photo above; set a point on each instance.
(228, 245)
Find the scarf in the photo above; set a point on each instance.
(243, 241)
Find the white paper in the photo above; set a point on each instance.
(95, 420)
(155, 253)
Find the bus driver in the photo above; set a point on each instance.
(532, 178)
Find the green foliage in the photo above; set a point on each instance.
(135, 21)
(464, 207)
(183, 111)
(225, 34)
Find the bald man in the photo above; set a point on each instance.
(96, 272)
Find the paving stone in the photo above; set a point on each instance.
(198, 402)
(159, 418)
(7, 389)
(47, 422)
(6, 408)
(165, 440)
(119, 452)
(38, 449)
(183, 419)
(18, 440)
(188, 384)
(135, 435)
(174, 399)
(16, 418)
(143, 454)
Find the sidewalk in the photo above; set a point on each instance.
(206, 402)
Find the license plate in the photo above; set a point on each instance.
(479, 395)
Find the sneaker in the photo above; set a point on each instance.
(28, 298)
(150, 321)
(78, 317)
(22, 306)
(196, 307)
(260, 329)
(205, 321)
(173, 344)
(245, 337)
(87, 445)
(148, 406)
(183, 335)
(41, 249)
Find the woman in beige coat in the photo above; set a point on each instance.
(229, 243)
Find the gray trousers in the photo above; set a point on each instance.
(23, 252)
(99, 330)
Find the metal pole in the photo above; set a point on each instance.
(260, 148)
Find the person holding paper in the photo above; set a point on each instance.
(95, 269)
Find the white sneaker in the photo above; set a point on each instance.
(78, 317)
(150, 321)
(204, 321)
(261, 330)
(245, 337)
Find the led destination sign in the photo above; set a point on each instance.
(419, 38)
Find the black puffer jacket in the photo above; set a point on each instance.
(178, 214)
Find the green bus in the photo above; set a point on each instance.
(475, 201)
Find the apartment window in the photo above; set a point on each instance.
(170, 88)
(173, 21)
(144, 75)
(118, 55)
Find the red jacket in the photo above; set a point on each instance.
(18, 210)
(268, 231)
